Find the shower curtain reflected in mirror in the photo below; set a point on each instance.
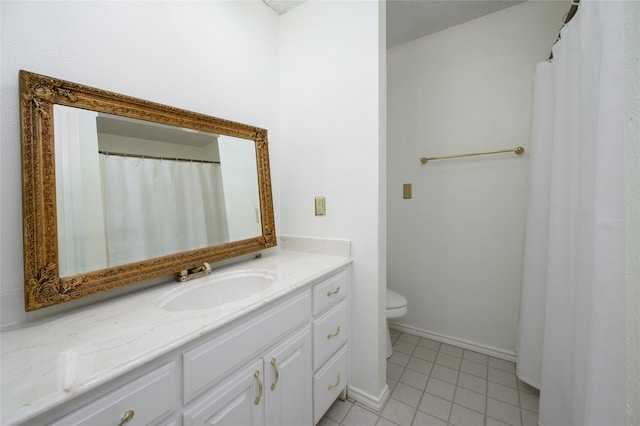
(159, 207)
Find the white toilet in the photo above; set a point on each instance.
(396, 308)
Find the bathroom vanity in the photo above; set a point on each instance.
(262, 341)
(276, 356)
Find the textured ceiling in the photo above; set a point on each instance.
(282, 6)
(411, 19)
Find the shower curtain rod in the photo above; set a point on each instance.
(152, 157)
(518, 151)
(570, 14)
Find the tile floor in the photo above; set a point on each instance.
(436, 384)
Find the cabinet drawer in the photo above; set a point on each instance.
(206, 365)
(330, 332)
(328, 383)
(152, 397)
(329, 292)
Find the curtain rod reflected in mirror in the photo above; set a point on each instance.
(79, 240)
(151, 157)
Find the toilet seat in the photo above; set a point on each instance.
(396, 304)
(396, 308)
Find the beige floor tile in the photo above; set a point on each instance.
(529, 401)
(407, 394)
(359, 416)
(527, 388)
(424, 419)
(398, 412)
(338, 410)
(425, 353)
(404, 347)
(399, 358)
(409, 338)
(474, 368)
(504, 412)
(470, 399)
(437, 384)
(471, 382)
(494, 422)
(415, 379)
(461, 416)
(440, 388)
(503, 393)
(435, 406)
(446, 374)
(429, 344)
(420, 365)
(451, 350)
(448, 360)
(503, 365)
(502, 377)
(391, 383)
(394, 371)
(384, 422)
(529, 418)
(325, 421)
(475, 357)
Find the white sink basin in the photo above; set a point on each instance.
(218, 289)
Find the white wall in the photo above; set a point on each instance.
(240, 180)
(218, 58)
(226, 59)
(455, 249)
(632, 209)
(333, 141)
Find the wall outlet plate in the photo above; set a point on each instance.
(320, 206)
(406, 191)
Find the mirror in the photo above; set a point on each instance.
(119, 190)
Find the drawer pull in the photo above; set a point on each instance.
(259, 397)
(331, 293)
(275, 367)
(329, 336)
(126, 417)
(335, 384)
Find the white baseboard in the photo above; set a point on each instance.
(368, 400)
(465, 344)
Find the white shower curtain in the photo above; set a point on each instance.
(572, 326)
(160, 207)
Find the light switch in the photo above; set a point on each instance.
(406, 191)
(320, 206)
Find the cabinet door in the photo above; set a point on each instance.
(239, 400)
(288, 375)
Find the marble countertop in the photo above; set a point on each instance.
(47, 364)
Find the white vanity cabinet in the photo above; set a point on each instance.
(282, 364)
(330, 337)
(274, 390)
(273, 384)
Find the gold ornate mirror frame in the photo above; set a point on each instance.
(43, 285)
